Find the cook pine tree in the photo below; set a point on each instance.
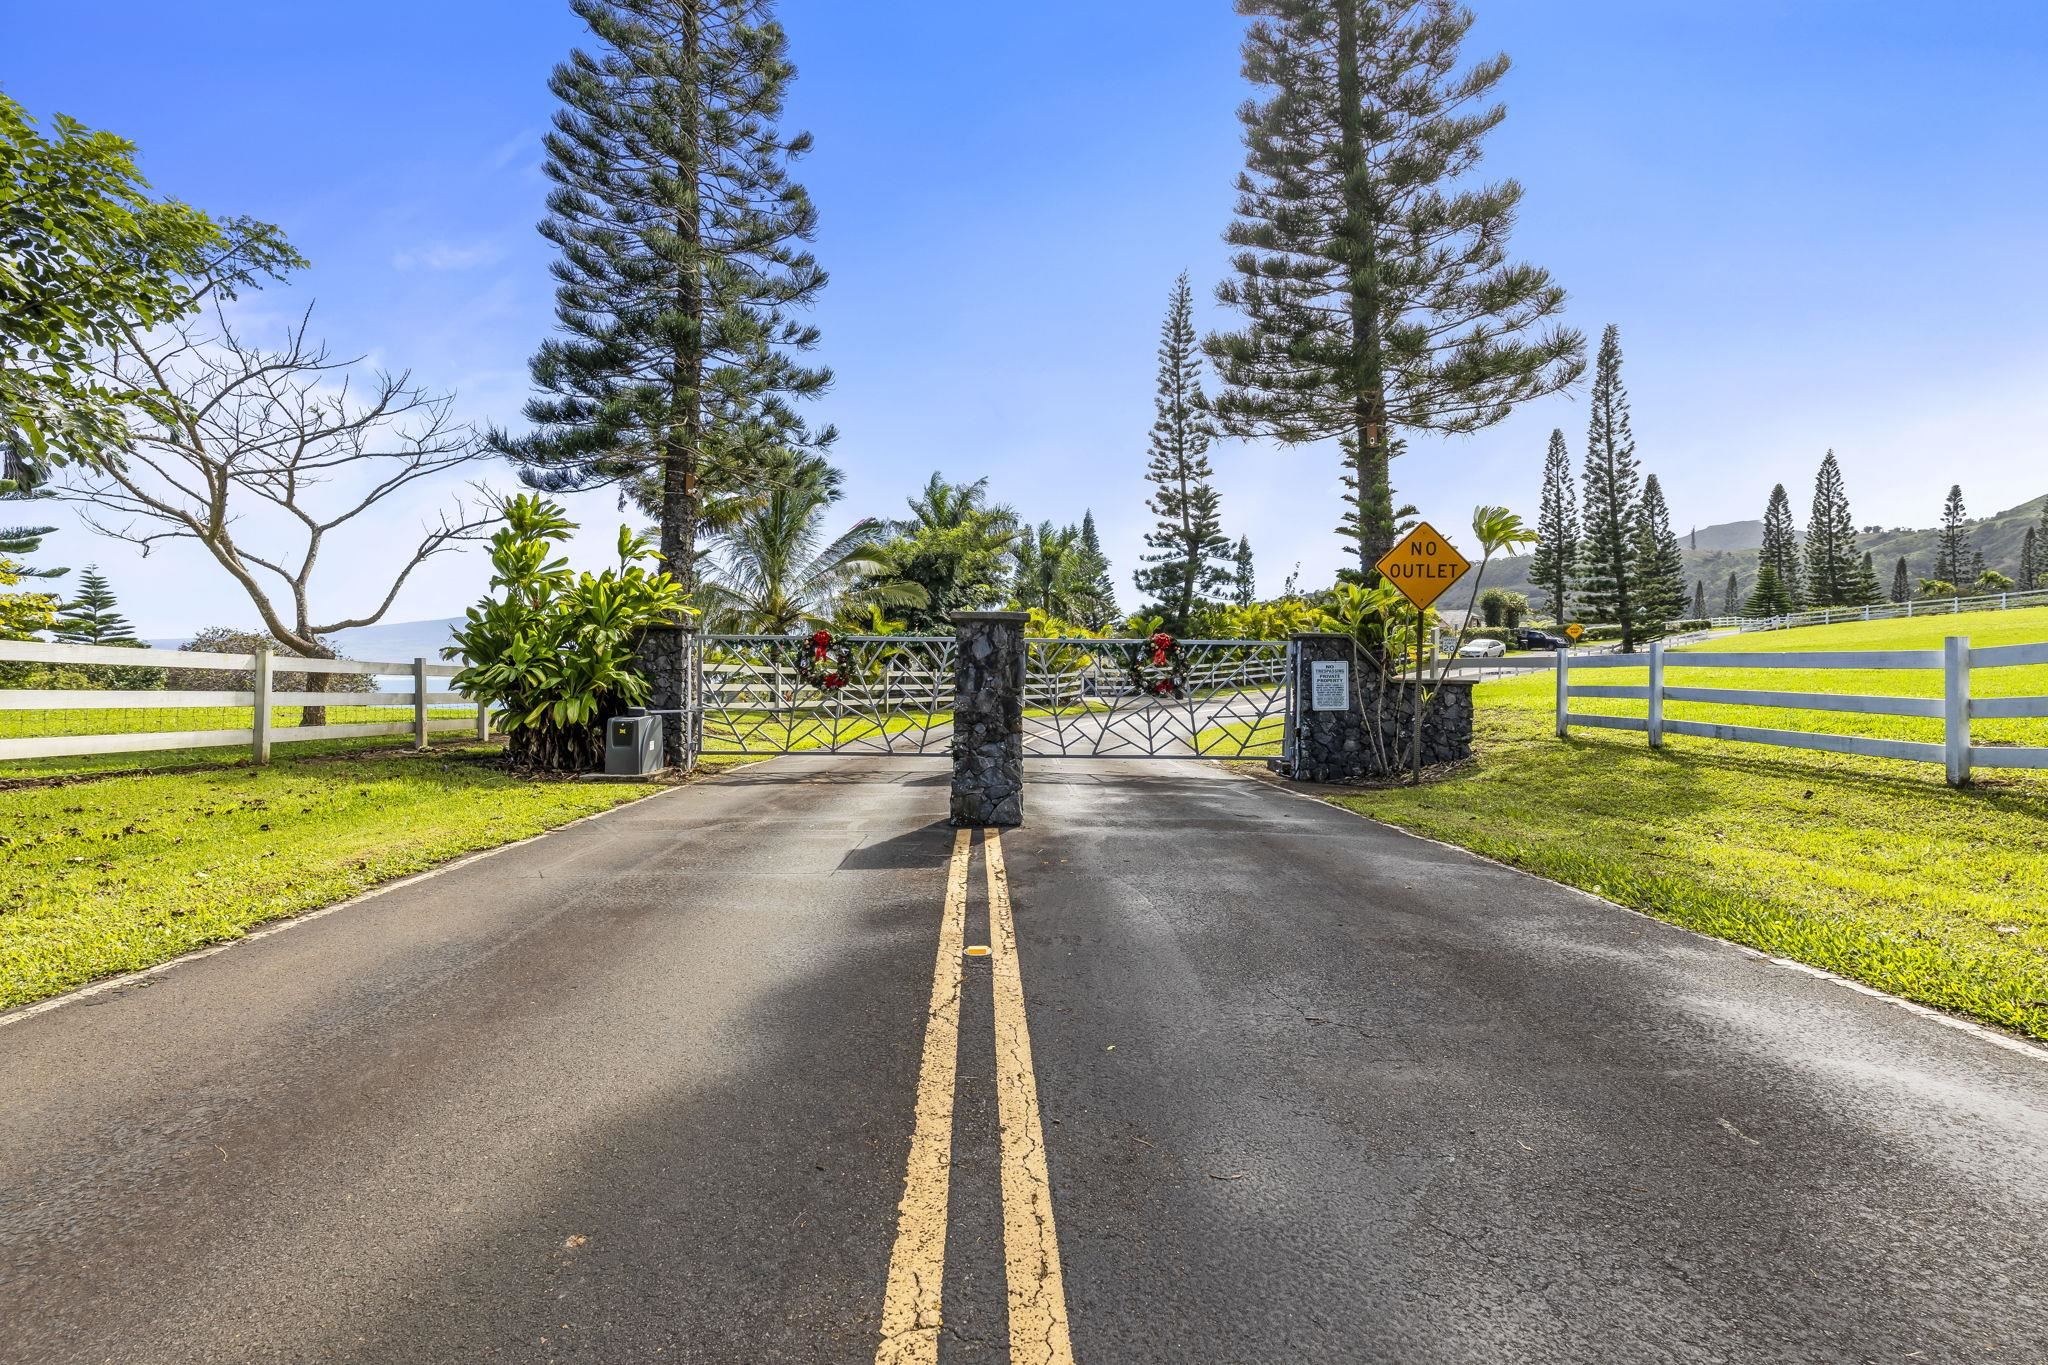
(1731, 596)
(1244, 582)
(1902, 582)
(1103, 610)
(2030, 559)
(1371, 268)
(1768, 597)
(1829, 570)
(2041, 549)
(1699, 596)
(93, 617)
(1659, 563)
(1556, 558)
(1781, 543)
(1191, 557)
(682, 270)
(1952, 540)
(1611, 490)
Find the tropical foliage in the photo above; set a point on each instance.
(956, 546)
(776, 571)
(88, 258)
(554, 651)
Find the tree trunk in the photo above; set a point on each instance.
(1361, 236)
(316, 682)
(683, 441)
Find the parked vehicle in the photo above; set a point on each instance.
(1540, 639)
(1482, 649)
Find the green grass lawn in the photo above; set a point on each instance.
(108, 876)
(143, 718)
(1868, 867)
(803, 730)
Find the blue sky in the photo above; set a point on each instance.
(1817, 224)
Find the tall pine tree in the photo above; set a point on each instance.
(1781, 544)
(2041, 548)
(1902, 582)
(1244, 583)
(1103, 611)
(2030, 560)
(1372, 272)
(1659, 563)
(91, 618)
(1768, 597)
(1193, 554)
(1731, 598)
(1699, 595)
(681, 270)
(1952, 543)
(1557, 529)
(1867, 589)
(1829, 578)
(1612, 498)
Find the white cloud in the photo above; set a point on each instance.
(449, 256)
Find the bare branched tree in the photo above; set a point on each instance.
(302, 441)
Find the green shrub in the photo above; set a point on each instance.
(558, 652)
(1503, 609)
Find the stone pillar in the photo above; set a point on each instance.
(1369, 734)
(668, 657)
(988, 718)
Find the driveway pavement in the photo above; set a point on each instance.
(1242, 1079)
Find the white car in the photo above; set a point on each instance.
(1482, 649)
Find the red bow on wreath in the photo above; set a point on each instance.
(1161, 643)
(832, 682)
(821, 644)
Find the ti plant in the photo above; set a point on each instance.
(556, 651)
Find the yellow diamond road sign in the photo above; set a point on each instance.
(1423, 565)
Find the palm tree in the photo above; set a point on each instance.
(775, 573)
(1055, 574)
(954, 546)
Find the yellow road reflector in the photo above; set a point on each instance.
(978, 950)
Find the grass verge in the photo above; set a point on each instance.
(116, 875)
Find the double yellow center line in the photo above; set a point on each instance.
(1031, 1254)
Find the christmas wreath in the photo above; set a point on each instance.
(1157, 666)
(817, 666)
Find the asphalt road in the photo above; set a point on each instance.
(1298, 1089)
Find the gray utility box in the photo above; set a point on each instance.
(632, 744)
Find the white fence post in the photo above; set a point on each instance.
(259, 722)
(1955, 707)
(1656, 694)
(419, 703)
(1564, 669)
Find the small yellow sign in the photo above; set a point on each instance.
(1424, 565)
(1573, 631)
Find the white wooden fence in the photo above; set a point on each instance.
(1887, 611)
(1955, 708)
(260, 735)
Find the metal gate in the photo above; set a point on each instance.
(869, 694)
(763, 695)
(1088, 698)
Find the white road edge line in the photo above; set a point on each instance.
(114, 983)
(1982, 1032)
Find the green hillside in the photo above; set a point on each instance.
(1732, 547)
